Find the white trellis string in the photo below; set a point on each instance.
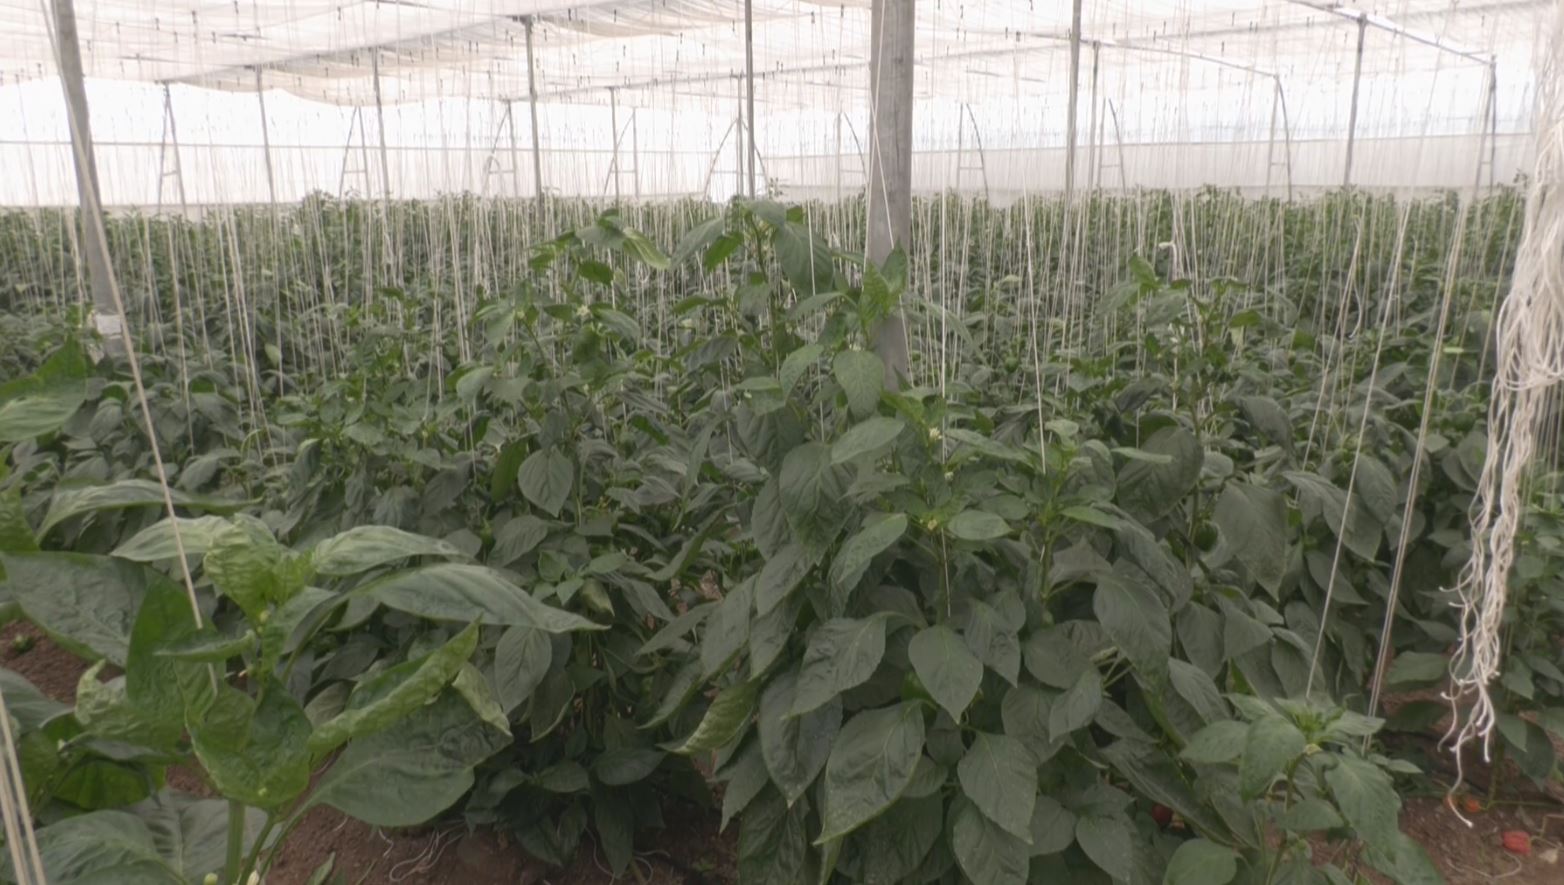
(1529, 363)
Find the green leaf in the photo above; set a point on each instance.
(805, 258)
(1271, 745)
(1000, 777)
(546, 478)
(247, 565)
(1310, 814)
(743, 778)
(779, 576)
(1415, 669)
(1217, 743)
(725, 719)
(1198, 862)
(862, 377)
(364, 547)
(169, 838)
(878, 533)
(479, 695)
(894, 844)
(985, 852)
(728, 628)
(1053, 827)
(871, 763)
(1366, 797)
(842, 653)
(521, 660)
(519, 536)
(797, 363)
(1268, 417)
(1150, 490)
(812, 493)
(1349, 520)
(152, 680)
(773, 849)
(1109, 842)
(155, 543)
(463, 593)
(993, 640)
(42, 402)
(412, 771)
(627, 765)
(977, 525)
(947, 668)
(866, 437)
(1196, 688)
(85, 603)
(1078, 706)
(795, 748)
(260, 759)
(390, 696)
(1091, 516)
(1253, 523)
(1137, 622)
(125, 493)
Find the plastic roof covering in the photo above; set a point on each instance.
(328, 50)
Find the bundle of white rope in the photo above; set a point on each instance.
(1529, 349)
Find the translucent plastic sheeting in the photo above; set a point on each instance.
(643, 99)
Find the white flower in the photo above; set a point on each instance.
(583, 312)
(934, 434)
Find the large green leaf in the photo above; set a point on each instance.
(464, 593)
(1348, 518)
(841, 654)
(894, 844)
(85, 603)
(1110, 843)
(871, 763)
(156, 542)
(1137, 622)
(260, 756)
(812, 492)
(1253, 523)
(862, 377)
(151, 679)
(388, 697)
(1000, 777)
(521, 660)
(1150, 489)
(1272, 743)
(546, 478)
(169, 838)
(993, 640)
(1053, 827)
(779, 576)
(986, 852)
(795, 748)
(805, 258)
(1078, 706)
(773, 849)
(1217, 743)
(866, 437)
(41, 403)
(947, 668)
(412, 771)
(364, 547)
(1198, 862)
(725, 719)
(878, 533)
(69, 502)
(977, 525)
(247, 565)
(1367, 798)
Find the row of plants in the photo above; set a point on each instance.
(1059, 615)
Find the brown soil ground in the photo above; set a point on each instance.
(697, 855)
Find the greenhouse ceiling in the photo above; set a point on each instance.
(339, 52)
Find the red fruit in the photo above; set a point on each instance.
(1517, 842)
(1471, 805)
(1162, 814)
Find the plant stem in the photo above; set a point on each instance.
(232, 869)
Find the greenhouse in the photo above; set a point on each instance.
(782, 441)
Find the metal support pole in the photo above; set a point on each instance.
(635, 154)
(171, 134)
(107, 317)
(532, 104)
(613, 123)
(892, 27)
(380, 124)
(1352, 116)
(1075, 89)
(1092, 145)
(1281, 101)
(1493, 119)
(738, 149)
(515, 155)
(266, 139)
(838, 156)
(749, 90)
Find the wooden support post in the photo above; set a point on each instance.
(1352, 115)
(532, 104)
(107, 318)
(891, 40)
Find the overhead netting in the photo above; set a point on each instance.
(648, 99)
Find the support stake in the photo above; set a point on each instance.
(266, 139)
(1352, 116)
(749, 90)
(1075, 94)
(532, 104)
(891, 39)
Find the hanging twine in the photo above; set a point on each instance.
(1529, 354)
